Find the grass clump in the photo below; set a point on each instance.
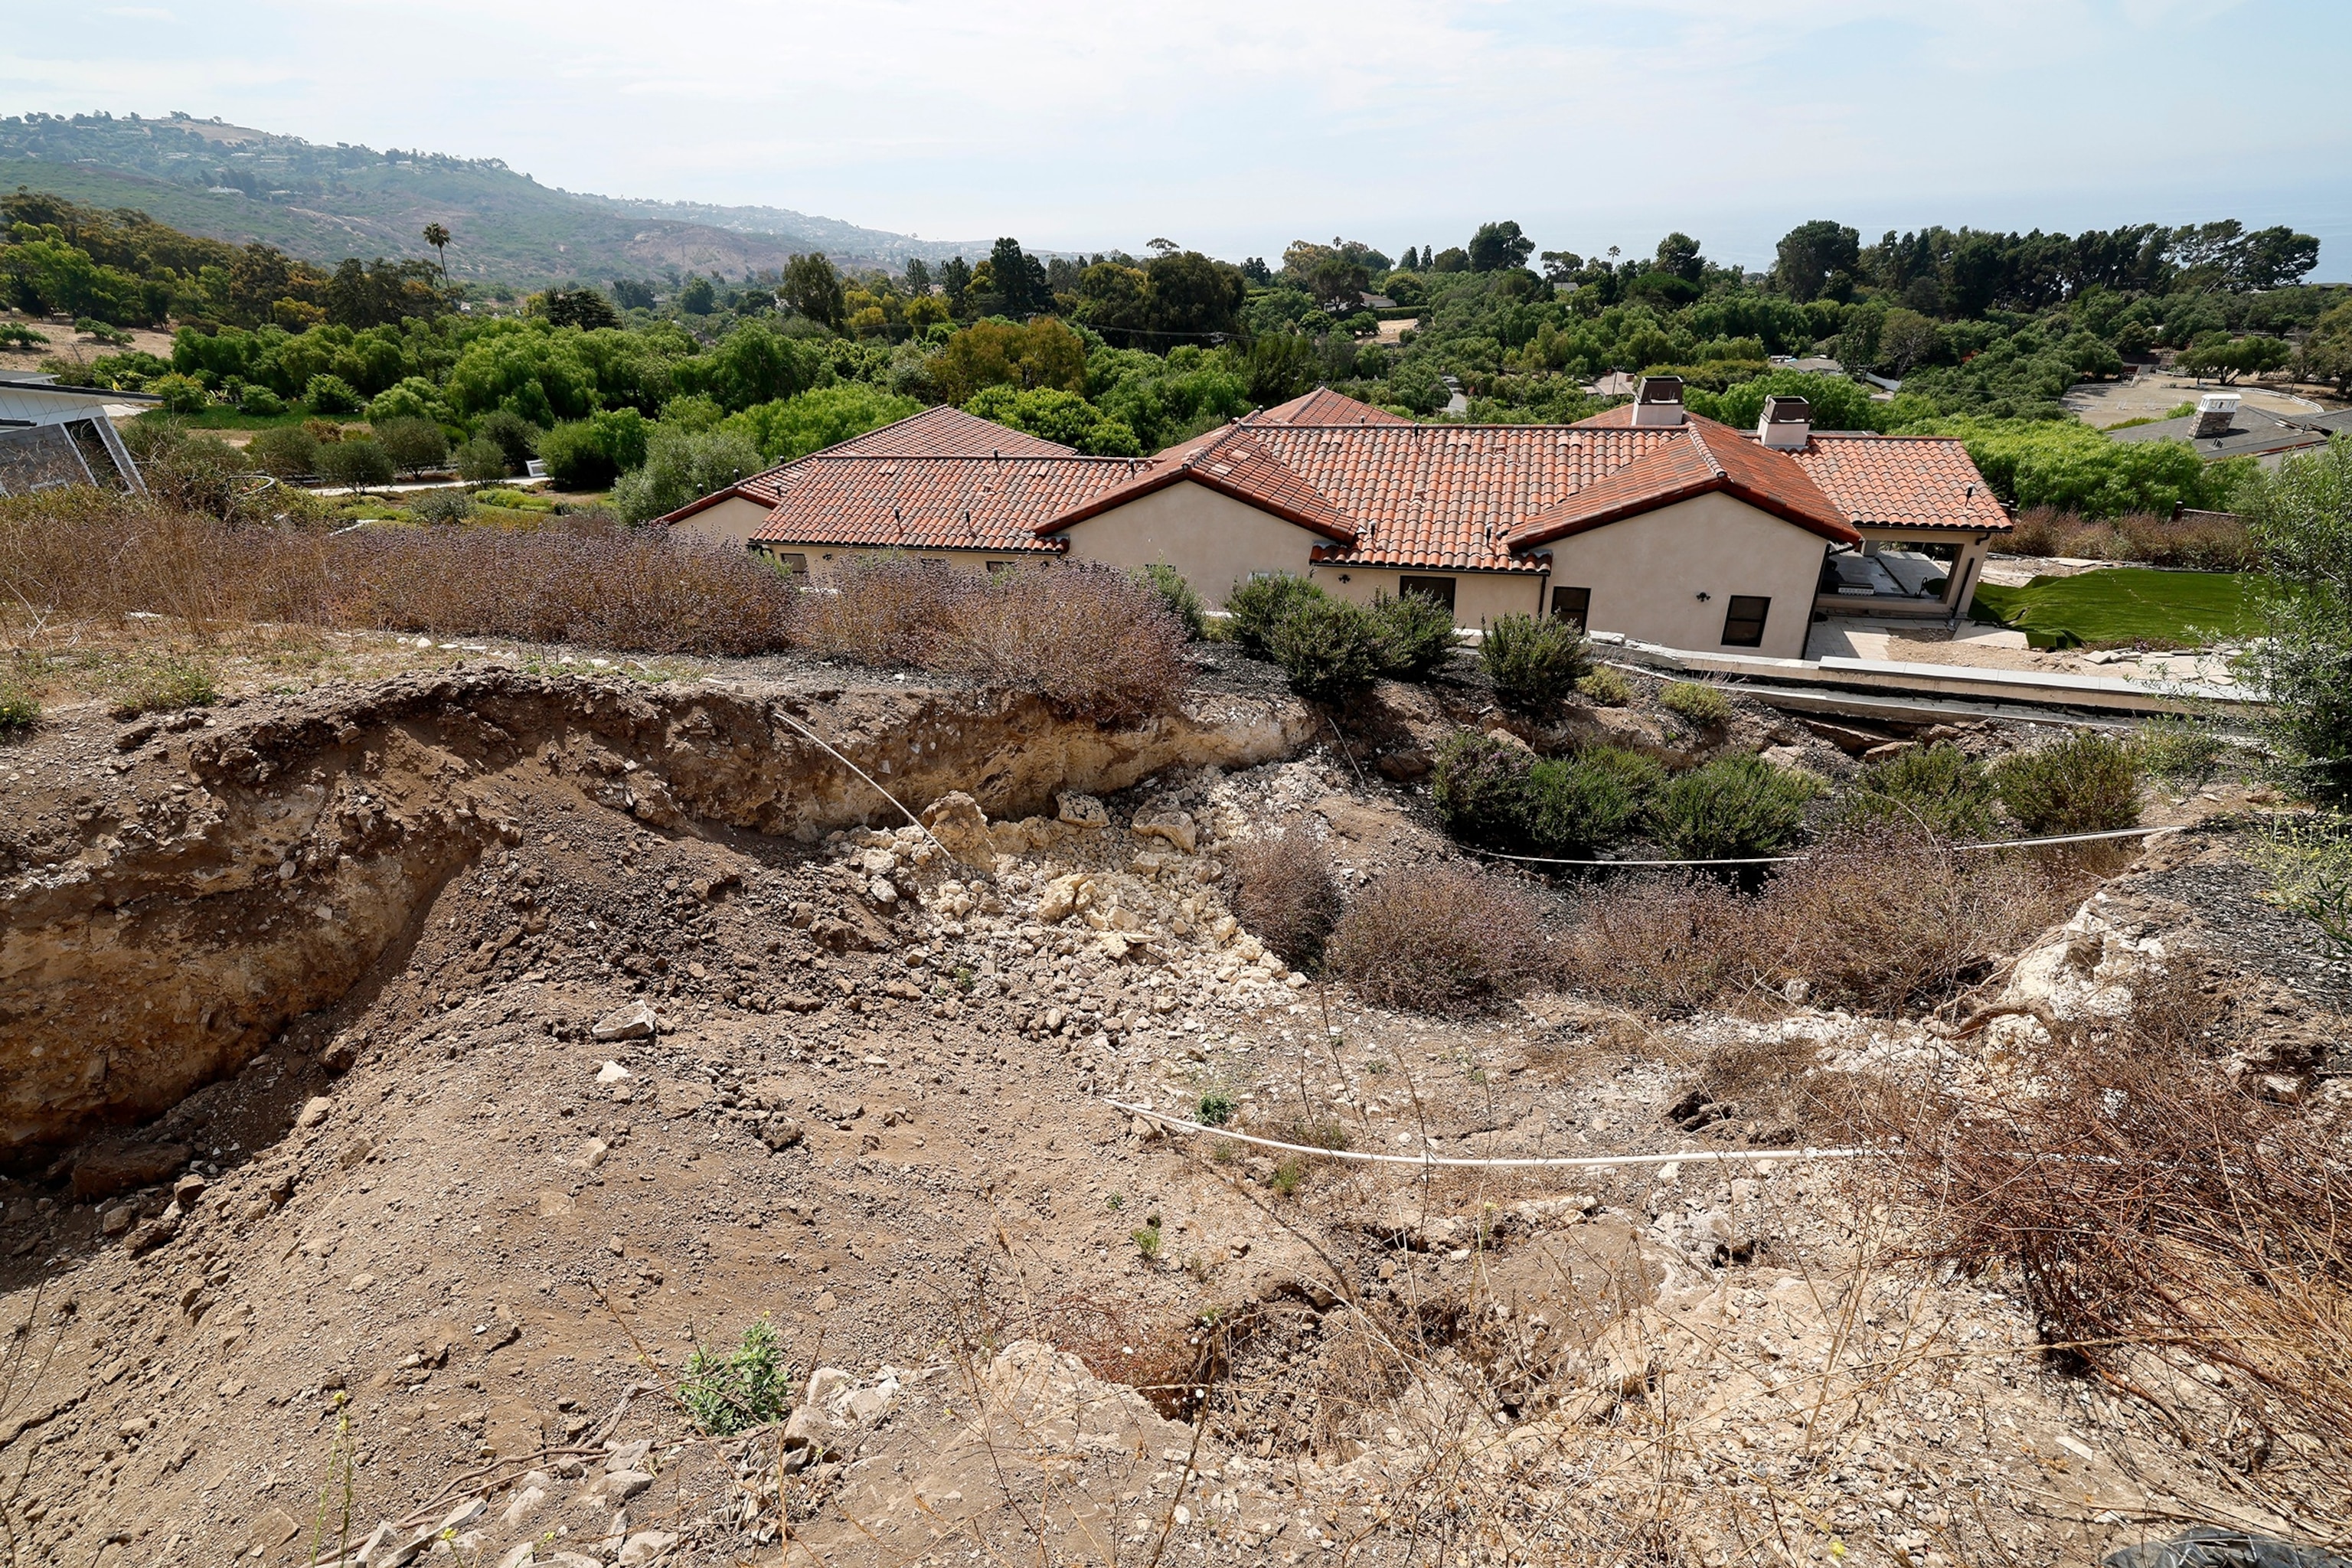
(1937, 789)
(19, 709)
(1284, 895)
(1696, 701)
(2086, 783)
(1731, 808)
(164, 685)
(1534, 663)
(1178, 595)
(1417, 635)
(1605, 687)
(1257, 606)
(1147, 1239)
(1329, 649)
(747, 1388)
(1445, 939)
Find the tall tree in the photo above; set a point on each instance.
(1499, 247)
(812, 288)
(1678, 256)
(436, 235)
(1812, 255)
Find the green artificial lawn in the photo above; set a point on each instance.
(2116, 607)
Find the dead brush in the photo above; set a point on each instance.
(1669, 943)
(1441, 939)
(2185, 1243)
(1284, 894)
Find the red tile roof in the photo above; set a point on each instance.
(1902, 481)
(1236, 460)
(947, 431)
(1324, 406)
(859, 500)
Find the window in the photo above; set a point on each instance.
(1000, 567)
(1438, 588)
(1743, 623)
(794, 565)
(1573, 606)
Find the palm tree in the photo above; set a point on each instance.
(437, 237)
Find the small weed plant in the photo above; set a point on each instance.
(2179, 750)
(1697, 702)
(1178, 595)
(1146, 1238)
(165, 685)
(1606, 688)
(19, 709)
(1216, 1109)
(2308, 866)
(747, 1387)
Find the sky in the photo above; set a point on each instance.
(1236, 126)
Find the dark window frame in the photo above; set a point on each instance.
(1583, 616)
(1732, 616)
(1438, 588)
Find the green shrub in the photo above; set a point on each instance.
(1417, 635)
(1590, 800)
(516, 436)
(1329, 649)
(19, 709)
(1701, 703)
(2087, 783)
(1731, 808)
(181, 393)
(1481, 788)
(749, 1387)
(328, 394)
(480, 461)
(1939, 788)
(163, 686)
(441, 507)
(1216, 1109)
(1183, 603)
(2179, 749)
(287, 451)
(1534, 663)
(1606, 688)
(589, 454)
(262, 403)
(358, 461)
(412, 444)
(1262, 604)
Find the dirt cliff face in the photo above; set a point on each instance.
(156, 928)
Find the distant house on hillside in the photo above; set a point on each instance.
(51, 433)
(2223, 427)
(1647, 520)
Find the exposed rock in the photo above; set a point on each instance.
(634, 1022)
(956, 820)
(1166, 821)
(1081, 810)
(1063, 897)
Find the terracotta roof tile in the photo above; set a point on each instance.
(1237, 460)
(1902, 481)
(861, 500)
(1324, 406)
(948, 432)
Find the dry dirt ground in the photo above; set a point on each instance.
(75, 348)
(422, 1275)
(2153, 396)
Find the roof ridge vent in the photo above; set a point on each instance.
(1786, 425)
(1658, 402)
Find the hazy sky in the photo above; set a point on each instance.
(1237, 126)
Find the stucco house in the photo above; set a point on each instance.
(1647, 520)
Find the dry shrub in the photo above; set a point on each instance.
(1092, 641)
(1900, 921)
(2186, 1242)
(2213, 541)
(1669, 942)
(1441, 939)
(92, 556)
(1283, 892)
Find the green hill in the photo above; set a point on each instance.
(322, 204)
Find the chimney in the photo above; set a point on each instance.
(2216, 412)
(1658, 402)
(1786, 425)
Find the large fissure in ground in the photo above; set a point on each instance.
(211, 883)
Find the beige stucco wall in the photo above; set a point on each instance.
(1479, 597)
(729, 521)
(1646, 574)
(824, 561)
(1214, 541)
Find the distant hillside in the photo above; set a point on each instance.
(323, 204)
